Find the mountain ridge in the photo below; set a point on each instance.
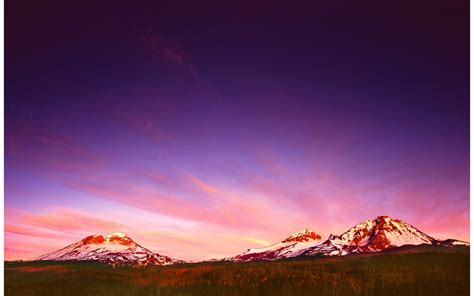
(114, 248)
(369, 236)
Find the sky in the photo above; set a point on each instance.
(202, 129)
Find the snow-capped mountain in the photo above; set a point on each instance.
(292, 246)
(115, 248)
(366, 237)
(372, 236)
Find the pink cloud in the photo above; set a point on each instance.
(219, 207)
(31, 232)
(64, 220)
(203, 186)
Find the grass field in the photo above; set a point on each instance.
(409, 271)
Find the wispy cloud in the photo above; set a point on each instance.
(258, 241)
(46, 149)
(203, 186)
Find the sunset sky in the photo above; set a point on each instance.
(202, 130)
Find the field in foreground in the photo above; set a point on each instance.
(409, 271)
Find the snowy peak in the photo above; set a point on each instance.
(381, 233)
(302, 236)
(369, 236)
(119, 238)
(292, 246)
(114, 248)
(113, 238)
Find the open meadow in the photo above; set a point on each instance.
(409, 271)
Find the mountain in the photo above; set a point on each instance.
(370, 236)
(115, 248)
(292, 246)
(366, 237)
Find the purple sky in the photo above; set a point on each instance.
(202, 130)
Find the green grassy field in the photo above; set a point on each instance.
(421, 271)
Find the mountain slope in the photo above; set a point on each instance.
(370, 236)
(115, 248)
(374, 236)
(292, 246)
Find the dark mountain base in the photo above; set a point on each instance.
(425, 270)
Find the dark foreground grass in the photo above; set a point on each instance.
(427, 271)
